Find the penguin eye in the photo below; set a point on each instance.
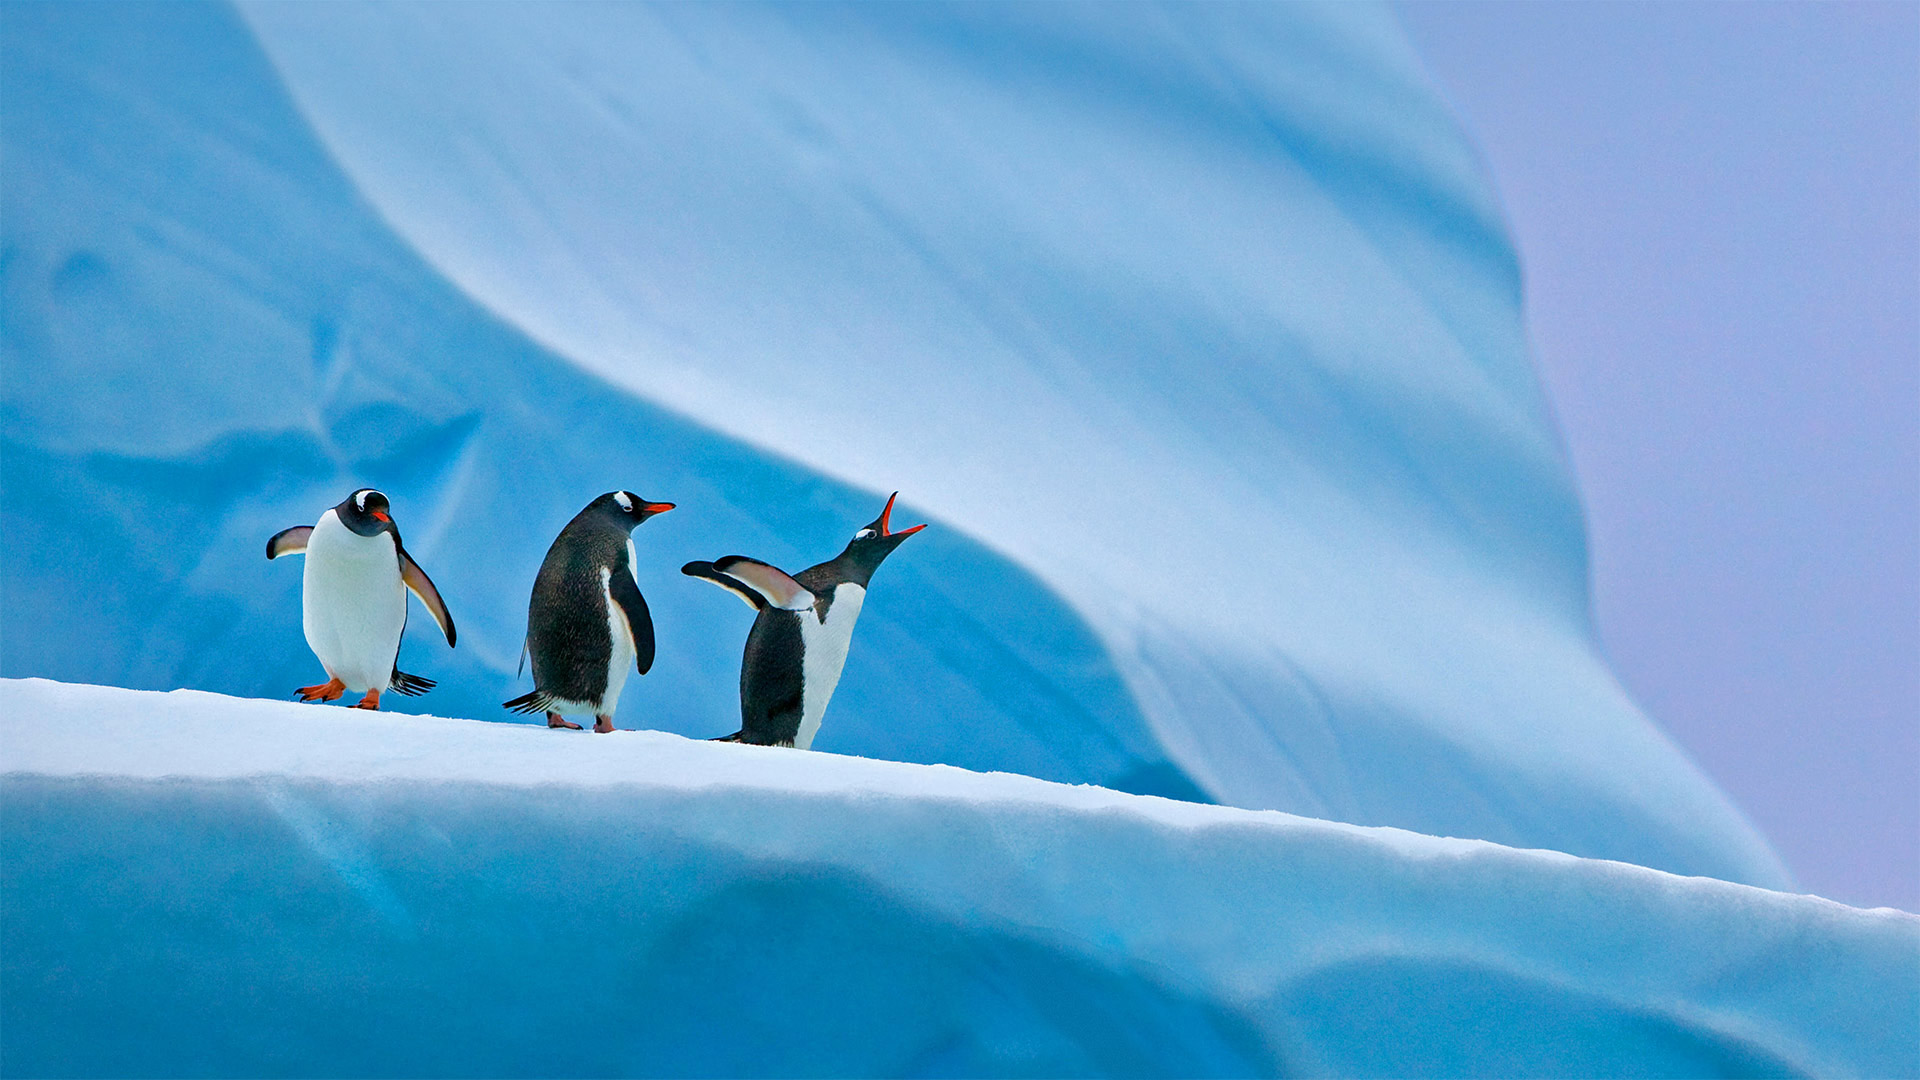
(865, 534)
(626, 504)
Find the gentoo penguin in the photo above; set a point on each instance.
(799, 640)
(587, 620)
(353, 598)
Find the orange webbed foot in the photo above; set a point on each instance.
(554, 719)
(326, 691)
(371, 701)
(603, 724)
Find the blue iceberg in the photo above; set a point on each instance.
(1194, 330)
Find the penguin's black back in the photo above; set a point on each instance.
(567, 630)
(772, 677)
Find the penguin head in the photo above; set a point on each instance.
(626, 509)
(366, 512)
(875, 542)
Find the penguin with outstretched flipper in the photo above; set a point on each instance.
(798, 645)
(587, 620)
(353, 598)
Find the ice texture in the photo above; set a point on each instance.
(1194, 330)
(198, 884)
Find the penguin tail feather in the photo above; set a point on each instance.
(738, 736)
(410, 685)
(529, 703)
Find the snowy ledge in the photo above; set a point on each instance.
(202, 883)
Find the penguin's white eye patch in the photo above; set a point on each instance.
(865, 534)
(625, 502)
(360, 500)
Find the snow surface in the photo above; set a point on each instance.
(1193, 329)
(201, 884)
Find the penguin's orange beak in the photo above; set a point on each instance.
(656, 508)
(887, 514)
(381, 515)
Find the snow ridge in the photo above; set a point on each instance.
(412, 894)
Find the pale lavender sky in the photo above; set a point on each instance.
(1718, 209)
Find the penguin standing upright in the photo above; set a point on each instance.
(587, 620)
(800, 637)
(353, 598)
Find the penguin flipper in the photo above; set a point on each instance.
(706, 572)
(422, 586)
(760, 584)
(625, 593)
(289, 541)
(537, 701)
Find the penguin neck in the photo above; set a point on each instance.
(842, 569)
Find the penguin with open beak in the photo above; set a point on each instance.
(804, 626)
(353, 598)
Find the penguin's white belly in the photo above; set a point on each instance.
(825, 656)
(353, 604)
(619, 661)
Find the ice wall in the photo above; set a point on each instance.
(208, 337)
(1194, 330)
